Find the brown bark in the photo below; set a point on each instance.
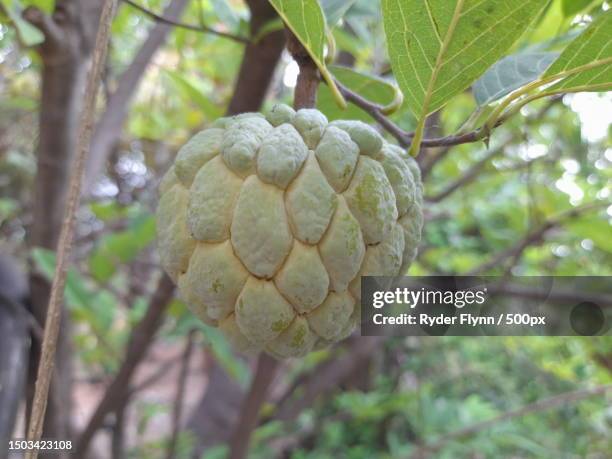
(305, 95)
(65, 54)
(251, 406)
(258, 63)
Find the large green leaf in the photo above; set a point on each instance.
(438, 48)
(373, 88)
(572, 7)
(591, 51)
(510, 73)
(307, 22)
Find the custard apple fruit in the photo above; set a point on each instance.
(268, 223)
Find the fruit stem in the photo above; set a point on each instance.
(305, 95)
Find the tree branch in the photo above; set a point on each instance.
(196, 28)
(118, 438)
(375, 111)
(109, 126)
(140, 339)
(15, 343)
(404, 138)
(325, 378)
(44, 22)
(554, 296)
(540, 405)
(427, 162)
(177, 412)
(54, 309)
(258, 62)
(534, 237)
(469, 176)
(249, 413)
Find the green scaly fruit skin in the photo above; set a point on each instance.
(267, 224)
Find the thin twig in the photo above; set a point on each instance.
(375, 111)
(469, 176)
(154, 377)
(404, 138)
(535, 237)
(196, 28)
(325, 377)
(540, 405)
(177, 412)
(429, 161)
(140, 340)
(54, 309)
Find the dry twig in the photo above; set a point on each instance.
(196, 28)
(54, 310)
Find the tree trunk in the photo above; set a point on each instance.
(258, 63)
(14, 343)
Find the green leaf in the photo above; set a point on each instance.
(551, 24)
(44, 261)
(438, 48)
(373, 88)
(335, 9)
(121, 247)
(192, 92)
(109, 210)
(97, 308)
(28, 34)
(510, 73)
(573, 7)
(594, 228)
(8, 208)
(591, 51)
(307, 22)
(224, 354)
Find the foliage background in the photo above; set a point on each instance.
(553, 156)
